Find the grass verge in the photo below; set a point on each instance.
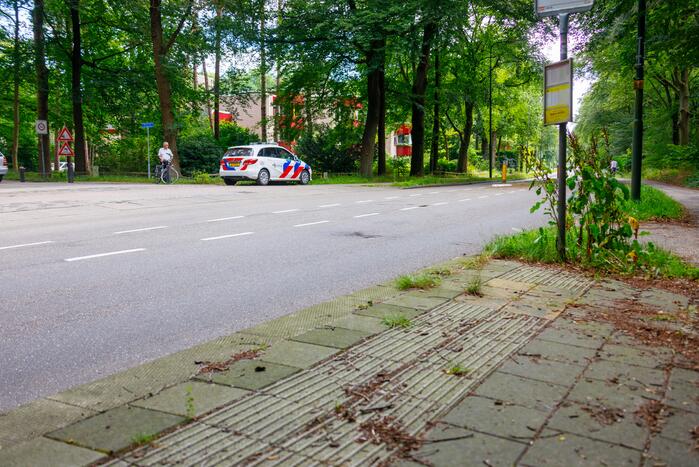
(654, 205)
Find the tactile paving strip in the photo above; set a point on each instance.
(551, 278)
(296, 421)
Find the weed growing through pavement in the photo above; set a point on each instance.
(420, 281)
(189, 403)
(475, 262)
(475, 286)
(457, 370)
(142, 438)
(396, 321)
(441, 271)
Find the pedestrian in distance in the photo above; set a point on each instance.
(165, 156)
(614, 166)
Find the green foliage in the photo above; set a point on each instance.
(457, 370)
(654, 205)
(330, 150)
(140, 439)
(396, 321)
(420, 281)
(200, 152)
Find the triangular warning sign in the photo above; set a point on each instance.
(66, 150)
(64, 135)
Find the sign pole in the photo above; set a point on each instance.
(637, 151)
(562, 146)
(148, 137)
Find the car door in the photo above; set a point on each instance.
(272, 162)
(291, 165)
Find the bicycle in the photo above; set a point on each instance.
(171, 175)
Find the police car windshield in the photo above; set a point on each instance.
(239, 152)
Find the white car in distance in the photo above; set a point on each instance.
(3, 166)
(263, 163)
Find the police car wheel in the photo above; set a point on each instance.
(305, 177)
(263, 177)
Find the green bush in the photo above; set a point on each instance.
(330, 150)
(200, 152)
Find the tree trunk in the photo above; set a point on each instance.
(206, 93)
(76, 61)
(15, 96)
(162, 80)
(217, 74)
(277, 77)
(418, 107)
(42, 79)
(462, 165)
(381, 137)
(484, 147)
(434, 153)
(681, 82)
(373, 60)
(263, 75)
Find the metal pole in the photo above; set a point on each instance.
(637, 150)
(490, 110)
(148, 155)
(43, 159)
(562, 146)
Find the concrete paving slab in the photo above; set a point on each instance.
(683, 395)
(338, 338)
(448, 445)
(357, 322)
(515, 287)
(602, 423)
(663, 300)
(679, 426)
(558, 352)
(610, 395)
(682, 375)
(584, 327)
(529, 308)
(191, 398)
(382, 310)
(565, 336)
(628, 375)
(667, 453)
(36, 418)
(116, 429)
(437, 292)
(521, 391)
(250, 374)
(44, 452)
(572, 450)
(298, 354)
(488, 416)
(490, 291)
(542, 369)
(419, 303)
(632, 356)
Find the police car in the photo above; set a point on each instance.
(263, 163)
(3, 166)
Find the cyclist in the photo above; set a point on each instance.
(614, 166)
(165, 156)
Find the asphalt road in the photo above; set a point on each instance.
(95, 279)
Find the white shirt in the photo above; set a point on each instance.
(165, 154)
(614, 164)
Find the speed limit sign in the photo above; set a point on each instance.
(42, 127)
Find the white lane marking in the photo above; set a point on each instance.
(432, 192)
(410, 208)
(465, 199)
(499, 194)
(367, 215)
(482, 197)
(284, 211)
(392, 197)
(100, 255)
(416, 194)
(329, 205)
(145, 229)
(221, 237)
(225, 219)
(440, 204)
(25, 244)
(365, 201)
(311, 223)
(516, 229)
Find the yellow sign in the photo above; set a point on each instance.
(558, 92)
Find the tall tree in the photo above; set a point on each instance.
(217, 67)
(76, 60)
(161, 48)
(42, 82)
(16, 82)
(418, 98)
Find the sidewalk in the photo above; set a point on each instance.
(545, 368)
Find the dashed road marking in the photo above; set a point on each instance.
(465, 199)
(367, 215)
(499, 194)
(221, 237)
(365, 201)
(311, 223)
(25, 244)
(416, 194)
(392, 197)
(101, 255)
(220, 219)
(145, 229)
(410, 208)
(284, 211)
(329, 205)
(440, 204)
(483, 197)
